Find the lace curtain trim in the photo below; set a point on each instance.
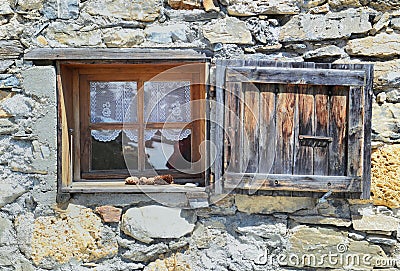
(110, 135)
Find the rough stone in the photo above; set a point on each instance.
(24, 225)
(210, 6)
(10, 49)
(381, 45)
(75, 234)
(8, 81)
(175, 262)
(5, 64)
(123, 38)
(387, 74)
(7, 234)
(330, 51)
(314, 3)
(7, 127)
(141, 10)
(377, 222)
(335, 25)
(395, 23)
(393, 96)
(344, 3)
(381, 23)
(251, 8)
(17, 105)
(10, 191)
(381, 240)
(167, 34)
(305, 241)
(272, 204)
(109, 214)
(262, 31)
(382, 5)
(30, 4)
(12, 260)
(320, 9)
(184, 4)
(228, 30)
(40, 81)
(68, 9)
(191, 15)
(381, 97)
(144, 253)
(322, 220)
(385, 122)
(5, 8)
(146, 223)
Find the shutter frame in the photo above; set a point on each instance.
(358, 79)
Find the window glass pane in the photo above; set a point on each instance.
(164, 153)
(111, 101)
(167, 101)
(108, 152)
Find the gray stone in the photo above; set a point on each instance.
(381, 23)
(325, 52)
(385, 122)
(5, 8)
(12, 260)
(257, 7)
(191, 15)
(393, 96)
(141, 10)
(381, 97)
(381, 240)
(338, 4)
(7, 234)
(7, 127)
(10, 49)
(378, 222)
(395, 23)
(335, 25)
(8, 81)
(10, 191)
(166, 33)
(357, 236)
(68, 9)
(382, 5)
(228, 30)
(40, 81)
(5, 64)
(18, 105)
(146, 223)
(381, 45)
(24, 226)
(143, 253)
(322, 220)
(262, 31)
(123, 37)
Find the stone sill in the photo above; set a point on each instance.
(121, 187)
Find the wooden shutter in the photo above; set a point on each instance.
(293, 126)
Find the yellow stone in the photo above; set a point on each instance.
(42, 40)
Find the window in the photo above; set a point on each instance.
(133, 120)
(293, 127)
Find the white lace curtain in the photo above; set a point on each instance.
(115, 102)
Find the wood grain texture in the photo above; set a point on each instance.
(297, 76)
(368, 94)
(338, 131)
(321, 104)
(267, 122)
(251, 128)
(304, 155)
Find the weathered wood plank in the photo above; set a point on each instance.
(285, 109)
(338, 131)
(356, 132)
(292, 182)
(321, 129)
(251, 128)
(267, 122)
(112, 54)
(121, 187)
(304, 153)
(366, 186)
(297, 76)
(233, 126)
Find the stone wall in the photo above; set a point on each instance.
(238, 232)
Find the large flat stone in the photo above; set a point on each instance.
(10, 49)
(335, 25)
(309, 244)
(9, 192)
(385, 122)
(228, 30)
(322, 220)
(257, 7)
(146, 223)
(376, 222)
(381, 45)
(270, 204)
(123, 38)
(7, 233)
(141, 10)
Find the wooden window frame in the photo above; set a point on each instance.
(358, 79)
(73, 78)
